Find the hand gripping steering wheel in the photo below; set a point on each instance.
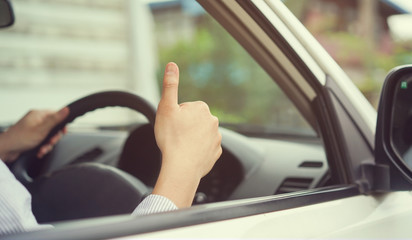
(28, 166)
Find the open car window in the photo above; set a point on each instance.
(63, 51)
(216, 69)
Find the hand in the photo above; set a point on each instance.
(29, 131)
(189, 139)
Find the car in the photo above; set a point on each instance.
(321, 164)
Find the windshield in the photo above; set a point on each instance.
(59, 51)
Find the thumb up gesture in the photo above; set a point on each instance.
(189, 139)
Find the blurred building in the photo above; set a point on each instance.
(175, 20)
(65, 49)
(366, 18)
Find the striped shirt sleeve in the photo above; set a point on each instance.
(15, 205)
(154, 204)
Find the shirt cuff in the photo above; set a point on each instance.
(154, 204)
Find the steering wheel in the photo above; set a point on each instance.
(28, 166)
(84, 190)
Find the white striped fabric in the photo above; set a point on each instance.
(154, 204)
(15, 205)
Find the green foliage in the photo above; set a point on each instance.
(403, 52)
(354, 52)
(365, 62)
(214, 68)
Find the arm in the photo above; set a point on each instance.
(15, 200)
(188, 137)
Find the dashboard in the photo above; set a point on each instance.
(248, 166)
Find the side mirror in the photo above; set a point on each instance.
(6, 14)
(393, 146)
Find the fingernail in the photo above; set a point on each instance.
(170, 68)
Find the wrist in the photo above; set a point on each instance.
(177, 184)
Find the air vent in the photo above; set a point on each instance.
(294, 184)
(311, 164)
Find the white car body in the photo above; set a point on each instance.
(363, 217)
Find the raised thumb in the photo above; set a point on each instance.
(170, 85)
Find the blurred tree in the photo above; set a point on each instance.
(217, 70)
(356, 34)
(367, 16)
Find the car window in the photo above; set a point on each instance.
(216, 69)
(64, 50)
(59, 51)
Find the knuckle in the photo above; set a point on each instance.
(170, 84)
(202, 105)
(219, 152)
(51, 118)
(215, 120)
(52, 115)
(32, 112)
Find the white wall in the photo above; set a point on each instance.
(61, 50)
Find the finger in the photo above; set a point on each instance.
(57, 117)
(62, 114)
(170, 85)
(40, 154)
(44, 150)
(56, 138)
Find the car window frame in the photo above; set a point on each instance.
(126, 225)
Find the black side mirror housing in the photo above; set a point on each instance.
(393, 142)
(6, 14)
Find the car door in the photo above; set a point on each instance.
(326, 97)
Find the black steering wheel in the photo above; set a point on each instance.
(84, 190)
(28, 166)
